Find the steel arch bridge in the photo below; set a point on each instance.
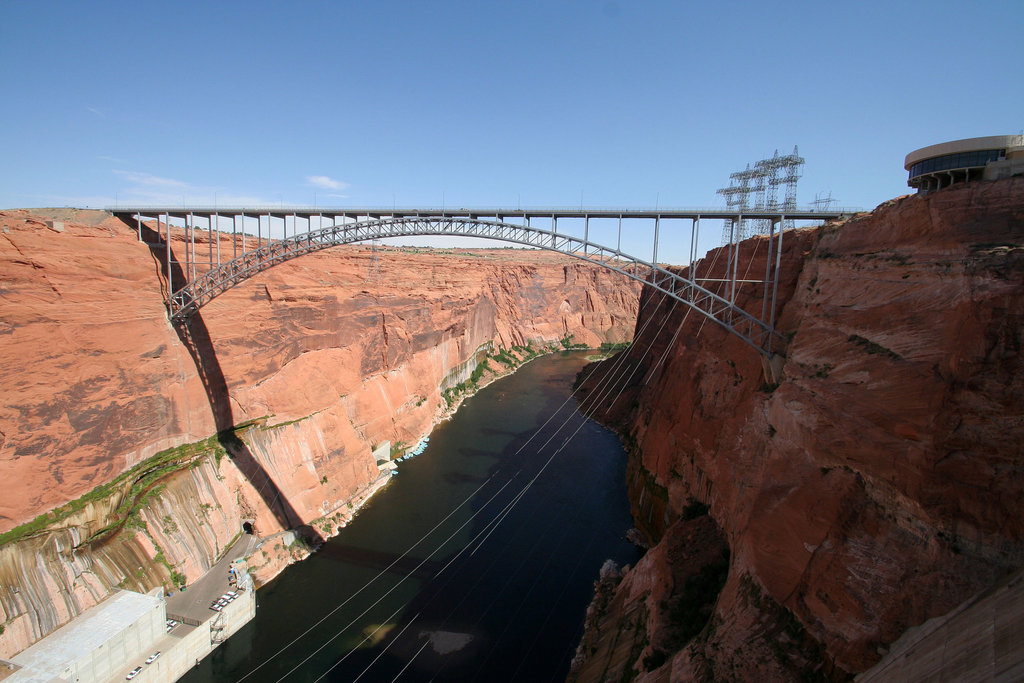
(758, 332)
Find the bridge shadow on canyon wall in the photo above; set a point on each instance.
(195, 337)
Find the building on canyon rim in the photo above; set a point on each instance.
(988, 158)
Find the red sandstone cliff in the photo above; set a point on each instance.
(321, 359)
(879, 484)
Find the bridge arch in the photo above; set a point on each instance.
(204, 288)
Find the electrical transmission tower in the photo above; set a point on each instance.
(824, 202)
(763, 182)
(373, 272)
(737, 198)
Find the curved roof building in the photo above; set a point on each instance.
(937, 166)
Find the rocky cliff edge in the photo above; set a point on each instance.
(879, 483)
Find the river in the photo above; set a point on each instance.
(462, 585)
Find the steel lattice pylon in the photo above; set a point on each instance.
(762, 181)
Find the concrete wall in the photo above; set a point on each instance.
(1007, 168)
(188, 645)
(114, 637)
(108, 659)
(97, 644)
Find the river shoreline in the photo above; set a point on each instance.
(278, 557)
(497, 598)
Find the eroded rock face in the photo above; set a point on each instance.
(880, 483)
(322, 358)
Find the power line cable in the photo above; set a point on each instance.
(607, 384)
(509, 506)
(399, 583)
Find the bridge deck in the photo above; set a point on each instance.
(485, 212)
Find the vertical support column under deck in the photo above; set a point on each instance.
(730, 254)
(586, 233)
(768, 267)
(618, 245)
(259, 231)
(170, 271)
(775, 289)
(554, 230)
(190, 248)
(736, 262)
(209, 231)
(694, 229)
(243, 233)
(138, 224)
(657, 224)
(216, 216)
(234, 236)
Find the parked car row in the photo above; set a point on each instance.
(171, 623)
(149, 660)
(222, 602)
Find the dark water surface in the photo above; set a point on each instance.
(466, 588)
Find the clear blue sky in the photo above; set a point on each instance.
(488, 103)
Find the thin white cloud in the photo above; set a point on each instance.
(146, 189)
(325, 182)
(149, 180)
(97, 112)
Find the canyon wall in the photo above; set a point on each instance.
(135, 451)
(877, 482)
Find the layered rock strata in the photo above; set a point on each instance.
(110, 415)
(878, 484)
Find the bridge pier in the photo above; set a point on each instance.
(730, 256)
(170, 277)
(768, 268)
(586, 233)
(775, 284)
(694, 228)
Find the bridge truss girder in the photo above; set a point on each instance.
(757, 332)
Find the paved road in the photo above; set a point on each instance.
(194, 602)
